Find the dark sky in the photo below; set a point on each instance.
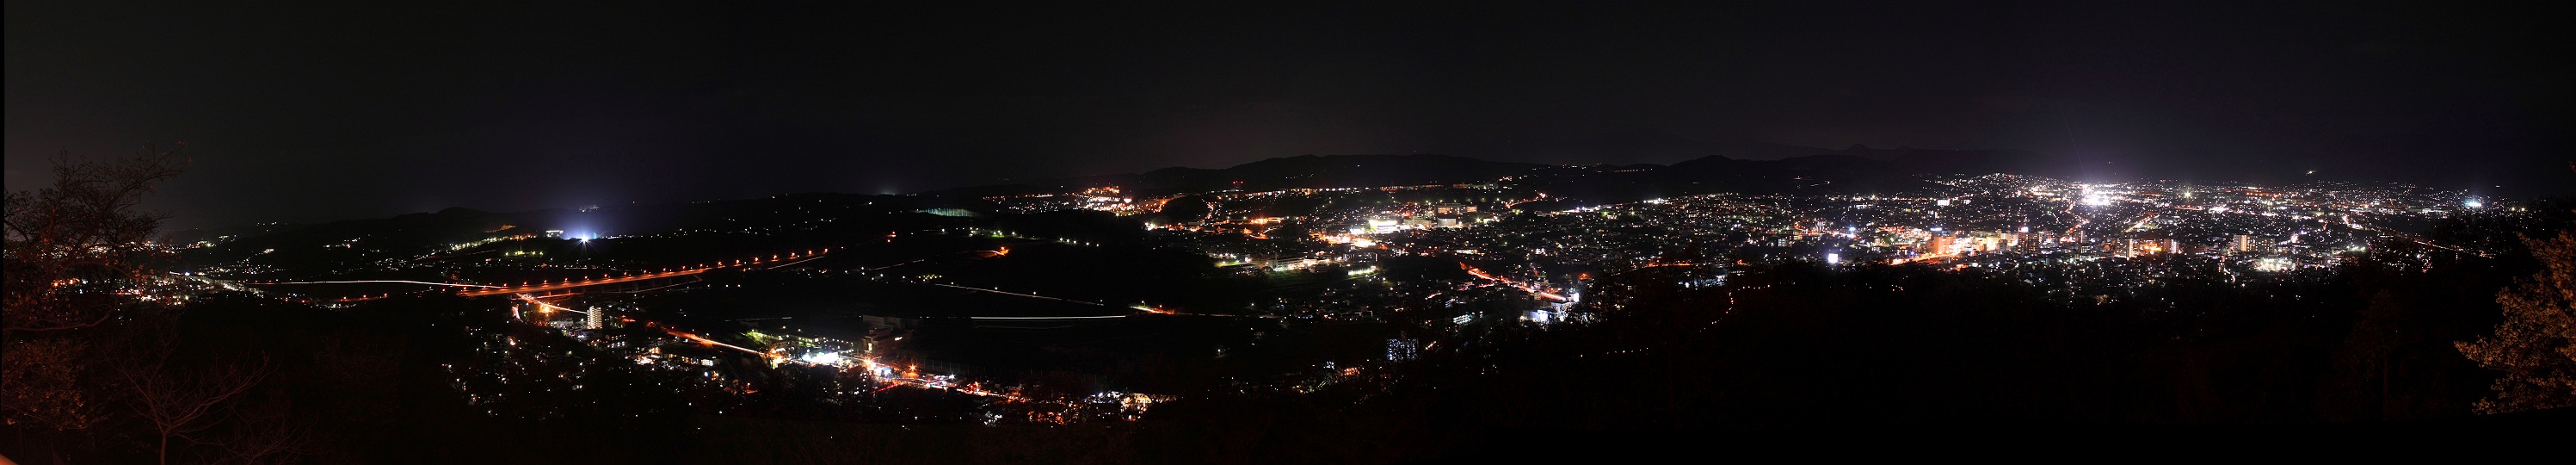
(310, 114)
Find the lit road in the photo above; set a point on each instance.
(480, 290)
(773, 261)
(568, 284)
(1032, 296)
(891, 381)
(397, 281)
(1532, 289)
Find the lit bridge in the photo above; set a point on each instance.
(633, 281)
(624, 282)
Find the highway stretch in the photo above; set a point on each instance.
(480, 290)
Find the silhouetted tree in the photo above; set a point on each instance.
(179, 399)
(267, 430)
(73, 250)
(72, 244)
(2535, 345)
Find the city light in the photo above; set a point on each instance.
(954, 233)
(1536, 266)
(824, 358)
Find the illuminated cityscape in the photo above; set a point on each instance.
(1404, 232)
(916, 309)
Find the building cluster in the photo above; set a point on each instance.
(2090, 240)
(1435, 259)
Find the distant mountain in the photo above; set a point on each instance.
(1308, 171)
(2026, 162)
(1902, 160)
(1624, 147)
(1640, 146)
(1740, 166)
(347, 243)
(750, 225)
(822, 216)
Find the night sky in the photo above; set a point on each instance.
(336, 111)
